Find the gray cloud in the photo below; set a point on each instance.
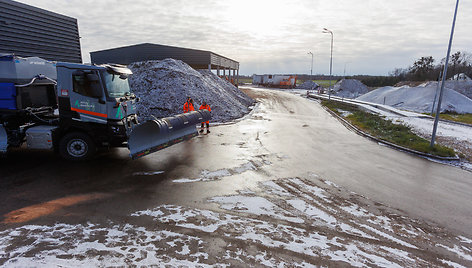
(370, 36)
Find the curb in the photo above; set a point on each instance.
(395, 146)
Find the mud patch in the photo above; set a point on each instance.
(35, 211)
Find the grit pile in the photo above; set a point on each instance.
(163, 87)
(309, 85)
(349, 88)
(420, 99)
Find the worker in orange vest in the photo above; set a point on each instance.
(188, 105)
(205, 106)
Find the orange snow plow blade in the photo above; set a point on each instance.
(155, 135)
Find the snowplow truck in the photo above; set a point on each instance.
(75, 109)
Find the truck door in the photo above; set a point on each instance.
(87, 96)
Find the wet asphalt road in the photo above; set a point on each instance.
(286, 136)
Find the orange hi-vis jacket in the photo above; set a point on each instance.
(205, 107)
(188, 107)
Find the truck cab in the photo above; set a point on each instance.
(72, 108)
(94, 101)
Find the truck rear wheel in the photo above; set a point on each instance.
(76, 146)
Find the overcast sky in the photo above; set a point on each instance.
(370, 36)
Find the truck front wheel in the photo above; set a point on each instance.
(76, 146)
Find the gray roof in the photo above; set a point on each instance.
(197, 59)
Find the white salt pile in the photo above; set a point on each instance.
(349, 88)
(419, 99)
(462, 86)
(308, 85)
(163, 87)
(460, 77)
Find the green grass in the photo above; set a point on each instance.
(462, 118)
(388, 131)
(245, 80)
(325, 83)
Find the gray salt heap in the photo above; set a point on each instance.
(309, 85)
(349, 88)
(163, 87)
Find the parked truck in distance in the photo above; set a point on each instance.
(75, 109)
(275, 80)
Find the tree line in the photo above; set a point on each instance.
(425, 69)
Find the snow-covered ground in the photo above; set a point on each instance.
(285, 222)
(420, 99)
(163, 87)
(455, 136)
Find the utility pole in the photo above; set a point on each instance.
(311, 70)
(330, 63)
(438, 110)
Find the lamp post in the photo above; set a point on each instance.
(345, 64)
(438, 110)
(330, 63)
(311, 70)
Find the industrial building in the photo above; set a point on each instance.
(197, 59)
(30, 31)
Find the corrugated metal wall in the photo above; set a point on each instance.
(29, 31)
(197, 59)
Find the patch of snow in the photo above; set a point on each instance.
(275, 189)
(252, 204)
(459, 251)
(314, 190)
(452, 264)
(396, 240)
(312, 211)
(465, 239)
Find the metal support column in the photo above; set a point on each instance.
(237, 78)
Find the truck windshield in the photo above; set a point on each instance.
(117, 85)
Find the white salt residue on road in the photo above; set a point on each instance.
(293, 221)
(207, 175)
(92, 245)
(254, 205)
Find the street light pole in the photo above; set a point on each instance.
(438, 110)
(330, 63)
(311, 70)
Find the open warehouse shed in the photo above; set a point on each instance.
(28, 31)
(197, 59)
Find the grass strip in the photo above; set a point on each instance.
(386, 130)
(462, 118)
